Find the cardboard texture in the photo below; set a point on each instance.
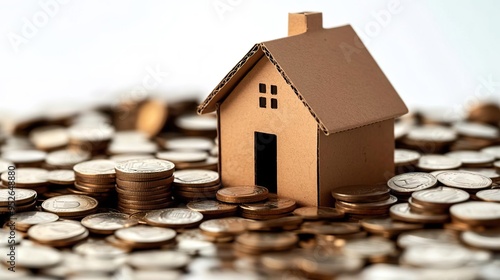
(299, 115)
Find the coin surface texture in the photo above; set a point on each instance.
(411, 182)
(464, 180)
(69, 204)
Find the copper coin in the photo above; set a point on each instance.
(273, 205)
(196, 178)
(211, 207)
(318, 213)
(361, 193)
(242, 194)
(411, 182)
(382, 225)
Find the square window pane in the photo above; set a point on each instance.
(274, 103)
(262, 88)
(262, 102)
(274, 89)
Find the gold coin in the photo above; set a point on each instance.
(173, 217)
(318, 213)
(242, 194)
(211, 207)
(66, 205)
(99, 168)
(144, 169)
(107, 223)
(196, 178)
(21, 196)
(61, 177)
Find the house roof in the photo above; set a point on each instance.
(330, 71)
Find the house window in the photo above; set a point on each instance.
(263, 101)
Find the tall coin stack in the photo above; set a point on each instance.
(95, 178)
(144, 184)
(365, 201)
(196, 184)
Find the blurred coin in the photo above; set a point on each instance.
(442, 256)
(411, 182)
(492, 150)
(158, 260)
(66, 158)
(487, 172)
(405, 157)
(20, 196)
(144, 147)
(369, 247)
(99, 249)
(55, 231)
(361, 193)
(242, 194)
(273, 205)
(427, 237)
(472, 157)
(107, 223)
(492, 195)
(28, 177)
(376, 205)
(24, 156)
(144, 169)
(35, 257)
(91, 132)
(61, 177)
(484, 112)
(438, 162)
(327, 267)
(152, 116)
(442, 196)
(49, 137)
(145, 236)
(189, 143)
(382, 225)
(403, 213)
(464, 180)
(34, 217)
(268, 241)
(125, 157)
(173, 217)
(333, 228)
(224, 227)
(476, 130)
(4, 165)
(196, 122)
(432, 133)
(196, 177)
(318, 213)
(477, 213)
(183, 156)
(96, 168)
(489, 240)
(211, 207)
(284, 223)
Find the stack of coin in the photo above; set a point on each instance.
(58, 234)
(25, 220)
(95, 178)
(404, 185)
(142, 237)
(71, 206)
(272, 208)
(25, 200)
(195, 184)
(405, 160)
(28, 178)
(256, 243)
(144, 184)
(213, 208)
(93, 138)
(242, 194)
(173, 218)
(363, 201)
(436, 200)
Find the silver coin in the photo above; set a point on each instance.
(20, 195)
(432, 133)
(107, 221)
(54, 231)
(489, 240)
(95, 167)
(369, 247)
(492, 195)
(98, 249)
(471, 157)
(437, 256)
(196, 177)
(441, 195)
(402, 211)
(427, 237)
(405, 157)
(487, 172)
(189, 143)
(144, 166)
(197, 123)
(174, 216)
(183, 156)
(492, 150)
(145, 234)
(411, 182)
(34, 217)
(66, 157)
(24, 156)
(155, 259)
(476, 211)
(34, 256)
(438, 162)
(476, 130)
(66, 177)
(464, 180)
(28, 176)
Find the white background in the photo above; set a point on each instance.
(436, 53)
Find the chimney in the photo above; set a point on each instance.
(304, 22)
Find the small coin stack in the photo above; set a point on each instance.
(144, 184)
(195, 184)
(58, 233)
(363, 201)
(242, 194)
(71, 206)
(25, 200)
(28, 178)
(95, 178)
(272, 208)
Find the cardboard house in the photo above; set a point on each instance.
(304, 114)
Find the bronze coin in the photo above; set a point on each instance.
(242, 194)
(361, 193)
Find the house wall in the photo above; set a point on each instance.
(360, 156)
(296, 130)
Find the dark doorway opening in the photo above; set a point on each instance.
(266, 161)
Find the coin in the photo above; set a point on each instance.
(66, 158)
(29, 257)
(464, 180)
(183, 156)
(492, 195)
(426, 237)
(24, 156)
(151, 117)
(224, 227)
(268, 241)
(55, 231)
(318, 213)
(492, 150)
(156, 260)
(49, 137)
(99, 249)
(242, 194)
(28, 177)
(472, 158)
(477, 213)
(476, 130)
(405, 157)
(196, 177)
(21, 196)
(70, 205)
(284, 223)
(34, 217)
(91, 132)
(489, 240)
(327, 267)
(438, 162)
(145, 236)
(361, 193)
(212, 207)
(196, 123)
(107, 223)
(387, 225)
(432, 133)
(173, 217)
(369, 247)
(144, 169)
(441, 196)
(401, 212)
(410, 182)
(189, 144)
(487, 172)
(273, 205)
(377, 205)
(440, 256)
(61, 177)
(332, 228)
(100, 168)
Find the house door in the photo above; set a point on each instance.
(266, 161)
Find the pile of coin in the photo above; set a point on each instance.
(195, 184)
(364, 201)
(71, 206)
(95, 178)
(12, 200)
(272, 208)
(144, 184)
